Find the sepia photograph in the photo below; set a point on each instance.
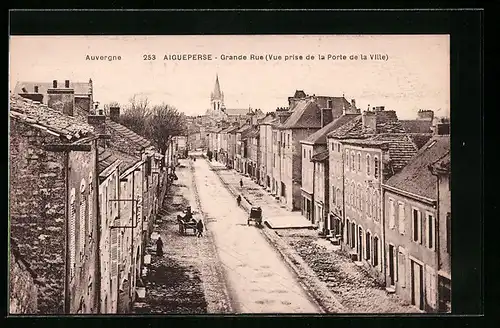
(229, 174)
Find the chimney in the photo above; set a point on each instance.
(98, 122)
(425, 115)
(326, 116)
(114, 113)
(61, 99)
(24, 90)
(369, 121)
(36, 88)
(66, 84)
(353, 103)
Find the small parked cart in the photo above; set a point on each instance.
(255, 215)
(186, 222)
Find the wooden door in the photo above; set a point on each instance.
(417, 286)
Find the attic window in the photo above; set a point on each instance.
(431, 144)
(329, 104)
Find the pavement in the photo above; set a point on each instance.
(318, 263)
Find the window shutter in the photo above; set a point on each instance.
(401, 218)
(114, 253)
(83, 222)
(402, 268)
(72, 237)
(90, 206)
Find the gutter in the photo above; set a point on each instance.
(426, 200)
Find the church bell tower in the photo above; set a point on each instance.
(217, 98)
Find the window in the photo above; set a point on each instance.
(348, 232)
(392, 214)
(402, 267)
(72, 233)
(334, 200)
(347, 159)
(353, 164)
(401, 218)
(375, 251)
(448, 233)
(309, 154)
(333, 146)
(368, 164)
(368, 245)
(417, 226)
(375, 167)
(329, 103)
(374, 205)
(304, 153)
(430, 231)
(338, 147)
(353, 195)
(359, 162)
(288, 140)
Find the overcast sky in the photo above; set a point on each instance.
(416, 74)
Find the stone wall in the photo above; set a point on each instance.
(22, 288)
(37, 210)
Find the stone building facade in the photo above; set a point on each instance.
(23, 289)
(53, 158)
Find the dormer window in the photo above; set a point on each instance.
(329, 103)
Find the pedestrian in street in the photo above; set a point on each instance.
(159, 247)
(238, 200)
(199, 228)
(241, 183)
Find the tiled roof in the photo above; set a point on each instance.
(443, 163)
(127, 133)
(243, 128)
(400, 146)
(80, 88)
(108, 156)
(236, 111)
(320, 157)
(420, 139)
(417, 126)
(254, 134)
(352, 129)
(41, 115)
(415, 177)
(319, 137)
(306, 114)
(247, 132)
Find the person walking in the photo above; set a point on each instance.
(159, 247)
(199, 228)
(241, 183)
(238, 200)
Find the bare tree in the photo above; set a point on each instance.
(136, 115)
(165, 122)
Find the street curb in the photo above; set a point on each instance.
(315, 288)
(227, 308)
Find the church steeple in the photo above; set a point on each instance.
(217, 93)
(217, 97)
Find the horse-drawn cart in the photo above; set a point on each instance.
(186, 222)
(255, 215)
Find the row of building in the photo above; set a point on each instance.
(84, 195)
(376, 185)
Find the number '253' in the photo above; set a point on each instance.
(148, 57)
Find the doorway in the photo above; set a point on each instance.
(392, 273)
(360, 244)
(417, 293)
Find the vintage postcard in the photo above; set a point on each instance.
(228, 174)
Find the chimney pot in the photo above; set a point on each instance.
(24, 90)
(66, 83)
(36, 88)
(54, 84)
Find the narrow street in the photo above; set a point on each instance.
(257, 278)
